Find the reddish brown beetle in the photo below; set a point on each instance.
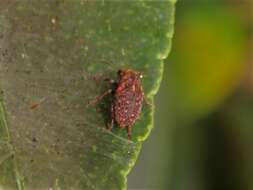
(128, 96)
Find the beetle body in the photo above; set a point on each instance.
(127, 99)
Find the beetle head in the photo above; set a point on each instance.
(129, 73)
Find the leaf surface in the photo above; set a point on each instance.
(49, 138)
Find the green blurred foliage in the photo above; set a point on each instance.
(192, 146)
(209, 56)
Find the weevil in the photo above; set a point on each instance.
(127, 99)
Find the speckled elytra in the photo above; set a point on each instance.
(127, 99)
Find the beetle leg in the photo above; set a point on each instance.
(100, 97)
(111, 125)
(110, 81)
(129, 132)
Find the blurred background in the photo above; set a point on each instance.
(203, 134)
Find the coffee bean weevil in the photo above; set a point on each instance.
(127, 99)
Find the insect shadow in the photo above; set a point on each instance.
(103, 102)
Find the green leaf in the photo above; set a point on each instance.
(49, 138)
